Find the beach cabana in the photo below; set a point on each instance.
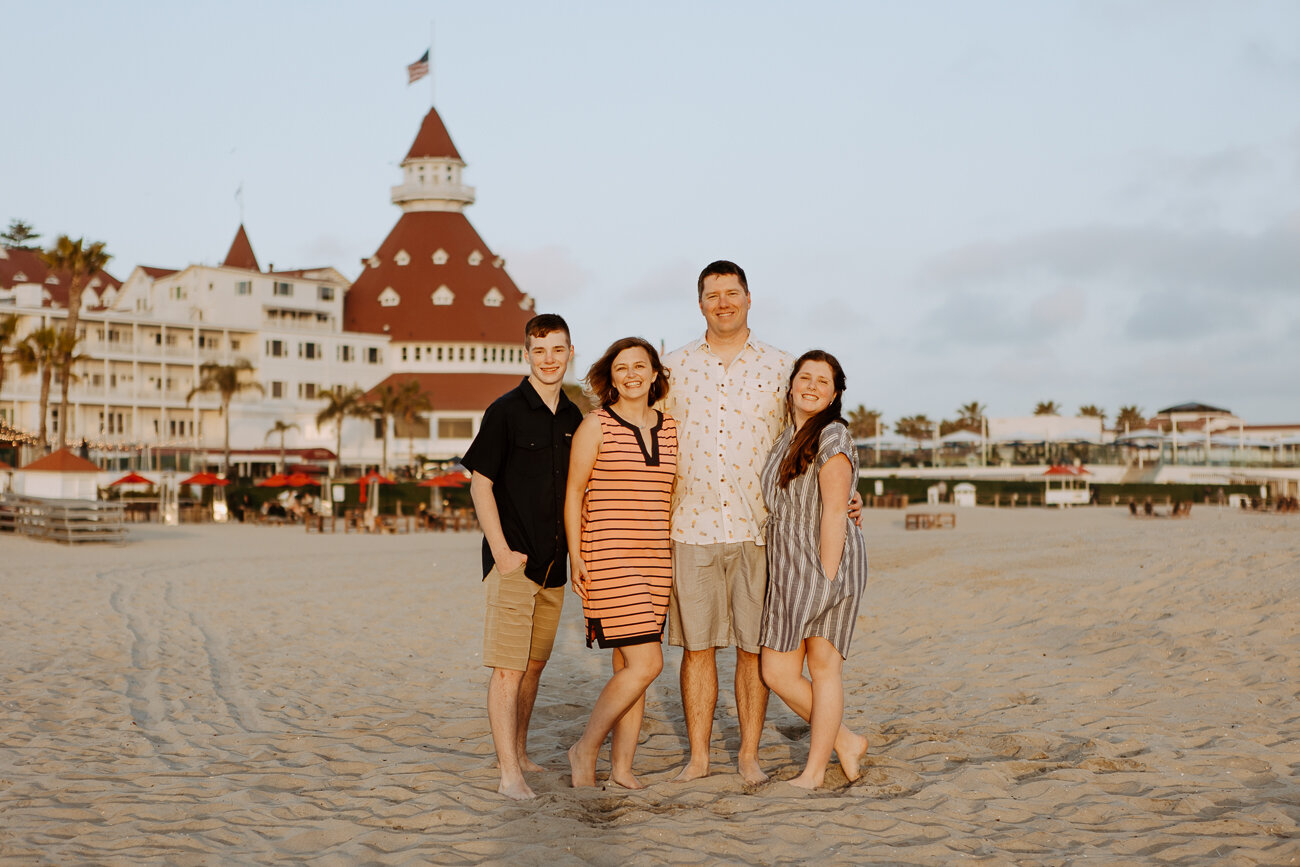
(60, 475)
(437, 483)
(1066, 486)
(131, 478)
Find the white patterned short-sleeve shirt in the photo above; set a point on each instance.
(728, 417)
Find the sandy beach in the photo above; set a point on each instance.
(1040, 687)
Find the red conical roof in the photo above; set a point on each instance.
(433, 140)
(241, 252)
(63, 461)
(420, 235)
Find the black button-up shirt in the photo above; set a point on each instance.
(524, 449)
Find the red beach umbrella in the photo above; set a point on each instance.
(446, 480)
(131, 479)
(297, 480)
(279, 480)
(205, 479)
(372, 476)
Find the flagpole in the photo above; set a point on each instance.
(433, 94)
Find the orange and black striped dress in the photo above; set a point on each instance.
(625, 532)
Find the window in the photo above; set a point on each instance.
(346, 353)
(493, 298)
(372, 354)
(475, 257)
(276, 349)
(379, 428)
(178, 293)
(234, 344)
(440, 353)
(455, 428)
(402, 258)
(283, 289)
(389, 298)
(404, 353)
(244, 287)
(440, 257)
(311, 351)
(325, 293)
(417, 353)
(443, 296)
(277, 389)
(461, 354)
(471, 353)
(308, 390)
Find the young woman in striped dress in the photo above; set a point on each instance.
(816, 563)
(616, 516)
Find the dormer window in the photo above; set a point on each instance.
(498, 262)
(51, 280)
(493, 298)
(402, 258)
(475, 257)
(373, 262)
(440, 257)
(443, 296)
(20, 277)
(389, 298)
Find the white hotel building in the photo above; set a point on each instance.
(433, 304)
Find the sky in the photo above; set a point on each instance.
(1001, 202)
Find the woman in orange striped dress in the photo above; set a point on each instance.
(616, 516)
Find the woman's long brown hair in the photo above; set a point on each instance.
(803, 448)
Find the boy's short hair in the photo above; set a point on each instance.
(543, 324)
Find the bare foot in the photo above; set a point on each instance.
(527, 764)
(516, 790)
(582, 767)
(750, 772)
(692, 771)
(851, 757)
(627, 780)
(805, 780)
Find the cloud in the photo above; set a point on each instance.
(1137, 257)
(551, 273)
(1173, 315)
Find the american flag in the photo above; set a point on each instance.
(417, 70)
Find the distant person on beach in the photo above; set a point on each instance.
(817, 563)
(616, 513)
(728, 397)
(519, 461)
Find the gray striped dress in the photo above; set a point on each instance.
(801, 602)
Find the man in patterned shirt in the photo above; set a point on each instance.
(728, 396)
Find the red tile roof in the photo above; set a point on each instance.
(241, 252)
(33, 269)
(63, 461)
(450, 392)
(155, 272)
(433, 140)
(421, 234)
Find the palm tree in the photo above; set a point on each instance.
(81, 261)
(970, 416)
(40, 352)
(1093, 411)
(1047, 407)
(1130, 418)
(280, 427)
(8, 328)
(863, 422)
(19, 235)
(385, 403)
(413, 404)
(224, 380)
(342, 403)
(917, 427)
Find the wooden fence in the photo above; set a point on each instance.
(68, 521)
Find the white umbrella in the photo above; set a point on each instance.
(959, 437)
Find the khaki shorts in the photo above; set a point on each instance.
(521, 622)
(717, 598)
